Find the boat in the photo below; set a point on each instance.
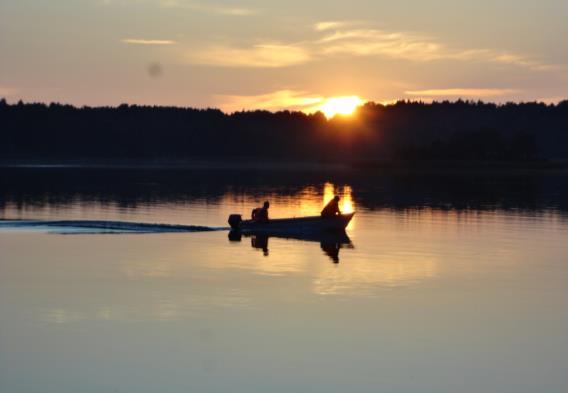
(338, 237)
(311, 224)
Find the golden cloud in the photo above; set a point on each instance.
(329, 25)
(336, 39)
(280, 99)
(210, 8)
(457, 92)
(416, 47)
(138, 41)
(261, 55)
(206, 7)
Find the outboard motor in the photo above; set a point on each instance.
(235, 221)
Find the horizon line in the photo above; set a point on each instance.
(5, 101)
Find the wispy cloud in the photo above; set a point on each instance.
(459, 92)
(260, 56)
(330, 25)
(209, 7)
(522, 61)
(276, 100)
(340, 39)
(139, 41)
(415, 47)
(376, 42)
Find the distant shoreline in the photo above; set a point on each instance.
(404, 136)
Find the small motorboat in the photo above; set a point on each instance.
(312, 224)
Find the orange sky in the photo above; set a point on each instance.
(265, 54)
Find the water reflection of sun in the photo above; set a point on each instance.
(306, 201)
(346, 204)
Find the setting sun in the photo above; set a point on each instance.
(340, 106)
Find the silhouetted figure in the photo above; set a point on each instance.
(260, 214)
(332, 208)
(260, 242)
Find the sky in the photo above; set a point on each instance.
(252, 54)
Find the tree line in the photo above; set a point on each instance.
(460, 130)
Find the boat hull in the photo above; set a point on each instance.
(298, 225)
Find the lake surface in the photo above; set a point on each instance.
(445, 284)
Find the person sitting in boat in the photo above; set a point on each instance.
(260, 214)
(332, 208)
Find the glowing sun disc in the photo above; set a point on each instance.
(340, 106)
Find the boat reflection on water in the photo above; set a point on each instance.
(330, 243)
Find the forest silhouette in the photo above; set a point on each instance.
(405, 131)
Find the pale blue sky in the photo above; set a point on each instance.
(250, 54)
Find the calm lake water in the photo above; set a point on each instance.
(446, 284)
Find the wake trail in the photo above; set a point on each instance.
(100, 226)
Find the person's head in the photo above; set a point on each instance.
(336, 198)
(266, 204)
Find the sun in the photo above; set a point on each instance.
(340, 106)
